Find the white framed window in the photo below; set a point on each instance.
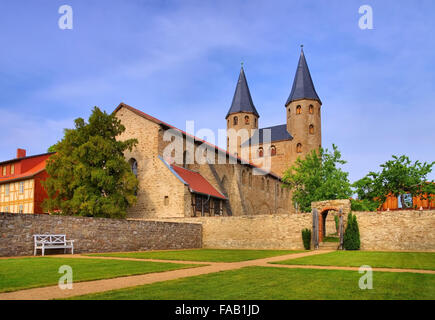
(22, 187)
(21, 209)
(6, 189)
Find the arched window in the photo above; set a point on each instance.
(260, 152)
(133, 166)
(267, 185)
(311, 109)
(243, 177)
(255, 121)
(250, 179)
(235, 121)
(298, 110)
(246, 119)
(299, 148)
(311, 130)
(273, 151)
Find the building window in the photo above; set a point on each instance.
(311, 130)
(235, 121)
(250, 179)
(246, 119)
(22, 187)
(311, 109)
(6, 189)
(255, 121)
(21, 210)
(260, 152)
(298, 110)
(133, 166)
(12, 168)
(166, 200)
(7, 209)
(273, 151)
(299, 148)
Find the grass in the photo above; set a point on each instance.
(206, 255)
(331, 239)
(400, 260)
(269, 283)
(24, 273)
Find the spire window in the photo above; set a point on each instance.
(235, 121)
(246, 119)
(298, 110)
(299, 148)
(311, 109)
(311, 129)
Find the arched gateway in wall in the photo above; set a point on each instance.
(323, 218)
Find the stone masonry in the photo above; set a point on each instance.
(96, 234)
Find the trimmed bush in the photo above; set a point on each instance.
(351, 238)
(306, 238)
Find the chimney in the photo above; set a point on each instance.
(21, 153)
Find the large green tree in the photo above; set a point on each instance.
(317, 177)
(398, 176)
(88, 175)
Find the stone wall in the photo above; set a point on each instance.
(278, 231)
(96, 234)
(397, 230)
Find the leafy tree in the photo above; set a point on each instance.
(317, 177)
(398, 176)
(351, 237)
(88, 175)
(364, 205)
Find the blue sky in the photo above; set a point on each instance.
(179, 60)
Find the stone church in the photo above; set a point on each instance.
(229, 182)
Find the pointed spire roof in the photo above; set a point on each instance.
(303, 87)
(242, 100)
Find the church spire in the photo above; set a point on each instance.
(242, 100)
(303, 87)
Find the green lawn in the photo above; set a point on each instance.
(206, 255)
(401, 260)
(268, 283)
(23, 273)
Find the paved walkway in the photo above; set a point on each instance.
(87, 287)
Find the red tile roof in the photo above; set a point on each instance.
(197, 183)
(155, 120)
(33, 165)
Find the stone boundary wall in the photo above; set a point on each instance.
(406, 230)
(96, 234)
(278, 231)
(395, 230)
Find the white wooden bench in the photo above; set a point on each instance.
(52, 241)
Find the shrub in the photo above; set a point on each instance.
(363, 205)
(306, 238)
(351, 239)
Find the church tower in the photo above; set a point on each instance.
(303, 112)
(242, 115)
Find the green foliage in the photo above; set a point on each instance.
(364, 205)
(89, 175)
(306, 238)
(317, 178)
(351, 238)
(398, 176)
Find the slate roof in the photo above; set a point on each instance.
(196, 182)
(303, 87)
(164, 124)
(278, 133)
(242, 100)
